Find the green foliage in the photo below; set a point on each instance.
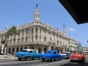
(12, 31)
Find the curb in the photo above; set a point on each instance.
(7, 59)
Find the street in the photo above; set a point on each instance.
(64, 62)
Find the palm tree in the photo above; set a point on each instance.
(12, 31)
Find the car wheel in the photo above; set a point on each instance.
(19, 59)
(32, 58)
(39, 58)
(43, 59)
(52, 59)
(83, 60)
(71, 60)
(60, 58)
(27, 58)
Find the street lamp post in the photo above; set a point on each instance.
(3, 46)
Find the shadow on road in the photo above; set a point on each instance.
(75, 64)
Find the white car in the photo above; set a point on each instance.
(63, 55)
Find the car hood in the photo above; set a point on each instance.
(45, 55)
(20, 53)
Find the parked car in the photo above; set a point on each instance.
(66, 55)
(78, 56)
(27, 54)
(50, 55)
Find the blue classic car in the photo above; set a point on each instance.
(50, 55)
(27, 54)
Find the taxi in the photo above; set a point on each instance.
(77, 56)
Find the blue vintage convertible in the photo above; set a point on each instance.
(50, 55)
(27, 54)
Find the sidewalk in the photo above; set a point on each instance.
(8, 57)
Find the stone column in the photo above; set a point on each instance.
(63, 49)
(29, 35)
(42, 50)
(38, 33)
(36, 48)
(14, 49)
(34, 34)
(42, 35)
(49, 48)
(20, 36)
(12, 39)
(46, 36)
(10, 50)
(16, 39)
(24, 34)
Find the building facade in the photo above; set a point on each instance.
(36, 35)
(79, 47)
(85, 50)
(73, 45)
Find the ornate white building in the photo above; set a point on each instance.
(74, 45)
(36, 35)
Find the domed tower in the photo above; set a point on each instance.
(36, 15)
(6, 28)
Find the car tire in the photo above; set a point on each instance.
(71, 60)
(60, 58)
(43, 59)
(19, 59)
(39, 58)
(83, 60)
(27, 58)
(52, 59)
(32, 58)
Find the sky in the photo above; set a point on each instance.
(14, 12)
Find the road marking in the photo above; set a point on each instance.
(54, 63)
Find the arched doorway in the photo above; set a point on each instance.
(17, 50)
(58, 51)
(12, 51)
(45, 49)
(21, 49)
(25, 48)
(32, 47)
(9, 50)
(39, 50)
(52, 47)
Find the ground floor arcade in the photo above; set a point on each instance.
(39, 48)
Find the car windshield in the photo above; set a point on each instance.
(47, 52)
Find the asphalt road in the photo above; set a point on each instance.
(40, 63)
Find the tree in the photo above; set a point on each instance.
(12, 31)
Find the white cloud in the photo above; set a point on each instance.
(72, 29)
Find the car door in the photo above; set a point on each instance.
(35, 54)
(55, 55)
(30, 53)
